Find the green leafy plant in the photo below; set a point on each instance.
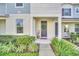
(6, 38)
(24, 40)
(21, 49)
(64, 48)
(73, 36)
(17, 45)
(33, 47)
(7, 47)
(19, 54)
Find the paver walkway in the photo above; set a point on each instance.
(45, 50)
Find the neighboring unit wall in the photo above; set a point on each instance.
(68, 5)
(73, 7)
(11, 23)
(17, 13)
(75, 15)
(11, 9)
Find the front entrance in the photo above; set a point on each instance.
(43, 29)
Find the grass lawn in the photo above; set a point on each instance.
(19, 54)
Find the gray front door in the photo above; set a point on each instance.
(43, 29)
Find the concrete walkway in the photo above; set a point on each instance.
(45, 50)
(44, 47)
(42, 41)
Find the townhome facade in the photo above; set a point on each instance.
(46, 20)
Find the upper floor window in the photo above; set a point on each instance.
(66, 11)
(19, 5)
(76, 10)
(19, 25)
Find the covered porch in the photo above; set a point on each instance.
(45, 27)
(2, 25)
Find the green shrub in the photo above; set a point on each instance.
(64, 48)
(19, 54)
(33, 47)
(16, 44)
(21, 49)
(73, 36)
(25, 40)
(7, 47)
(6, 38)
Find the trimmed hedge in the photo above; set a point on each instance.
(64, 48)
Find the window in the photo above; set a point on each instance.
(76, 10)
(77, 28)
(19, 5)
(19, 25)
(66, 28)
(66, 11)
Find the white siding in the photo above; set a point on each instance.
(45, 9)
(11, 23)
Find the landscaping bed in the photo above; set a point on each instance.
(20, 54)
(22, 45)
(64, 48)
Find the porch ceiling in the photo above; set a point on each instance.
(70, 20)
(45, 17)
(2, 17)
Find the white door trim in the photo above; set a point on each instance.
(40, 28)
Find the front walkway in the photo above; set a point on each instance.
(45, 50)
(44, 47)
(43, 41)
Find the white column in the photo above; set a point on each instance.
(59, 27)
(31, 25)
(34, 27)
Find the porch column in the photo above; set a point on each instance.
(31, 25)
(59, 28)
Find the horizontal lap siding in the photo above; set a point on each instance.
(2, 8)
(45, 8)
(12, 10)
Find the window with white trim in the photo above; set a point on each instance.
(66, 11)
(19, 5)
(77, 10)
(19, 25)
